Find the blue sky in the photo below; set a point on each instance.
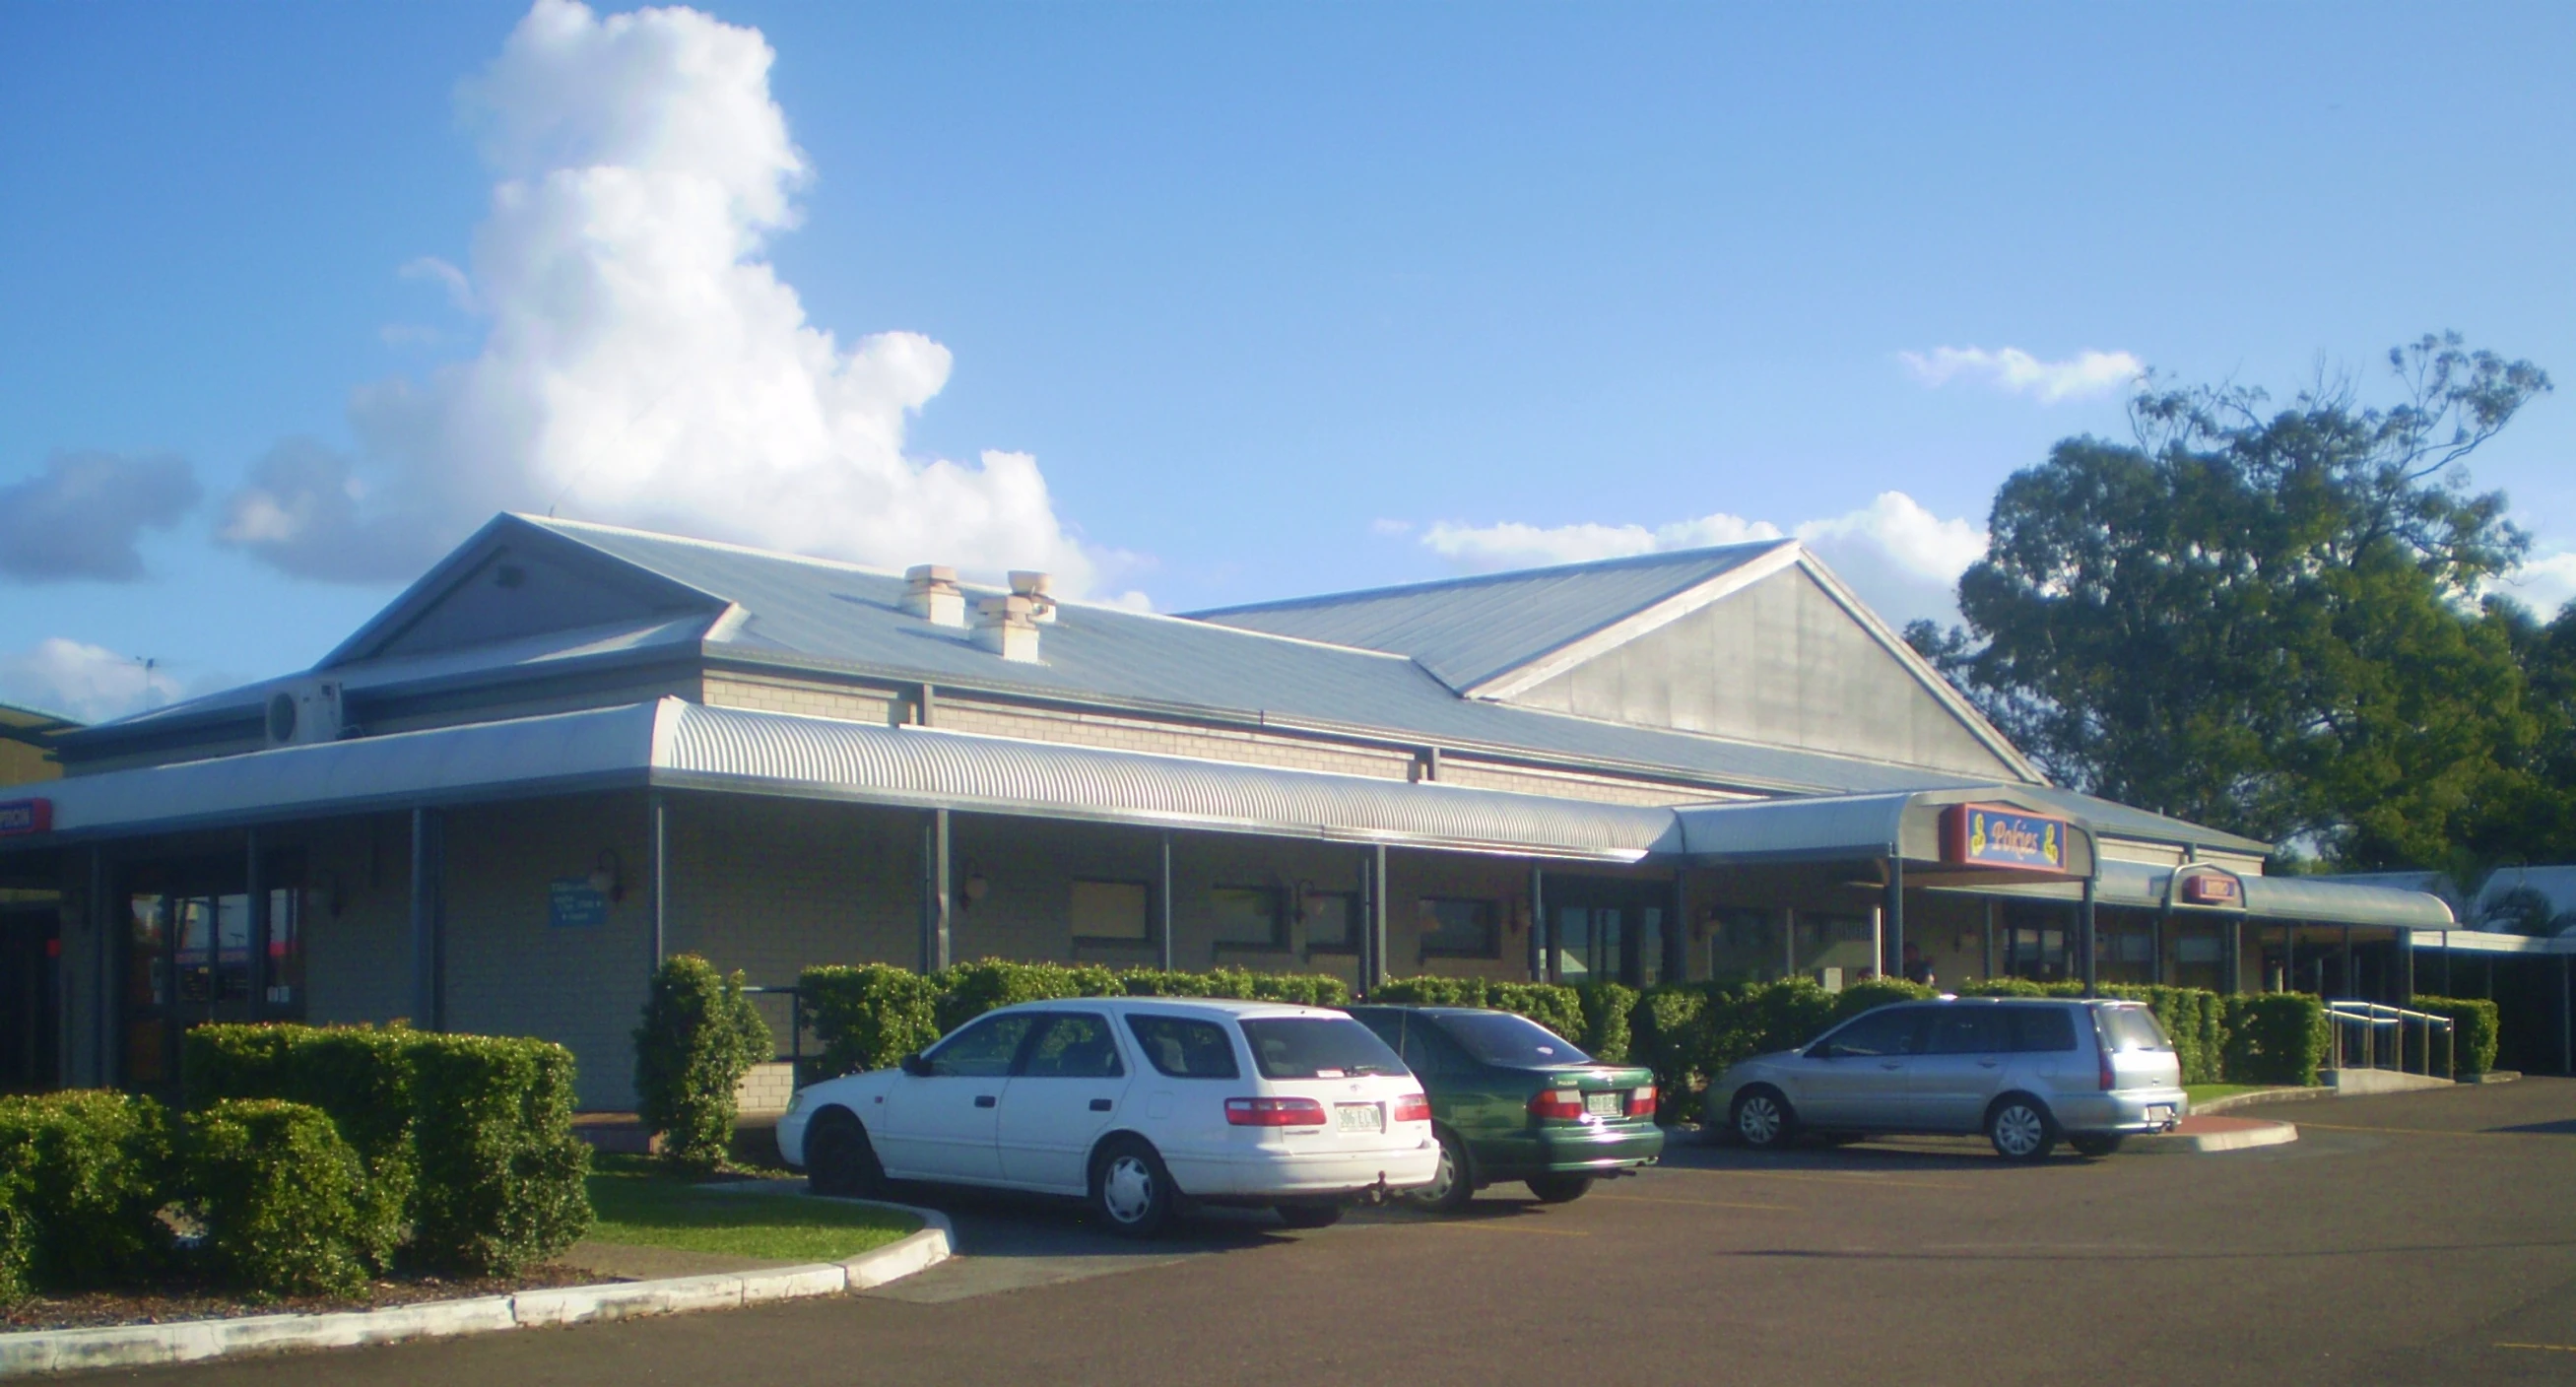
(1273, 299)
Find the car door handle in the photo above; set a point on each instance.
(983, 1100)
(1101, 1105)
(1990, 1064)
(1891, 1064)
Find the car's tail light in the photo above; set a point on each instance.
(1642, 1102)
(1274, 1112)
(2110, 1078)
(1558, 1104)
(1412, 1107)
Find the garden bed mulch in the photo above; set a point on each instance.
(181, 1303)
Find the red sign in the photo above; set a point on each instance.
(2209, 888)
(19, 817)
(1984, 835)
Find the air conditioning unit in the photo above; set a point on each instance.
(305, 713)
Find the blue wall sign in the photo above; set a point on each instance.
(1982, 835)
(573, 903)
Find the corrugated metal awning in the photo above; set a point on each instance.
(690, 746)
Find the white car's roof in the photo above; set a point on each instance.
(1208, 1006)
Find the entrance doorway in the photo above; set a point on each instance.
(30, 953)
(1609, 931)
(195, 952)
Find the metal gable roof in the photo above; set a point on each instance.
(1468, 631)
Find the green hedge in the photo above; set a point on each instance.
(2476, 1027)
(2274, 1038)
(83, 1178)
(469, 1137)
(283, 1199)
(1553, 1005)
(699, 1036)
(2194, 1017)
(870, 1016)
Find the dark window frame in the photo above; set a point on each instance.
(1428, 907)
(1144, 940)
(1278, 943)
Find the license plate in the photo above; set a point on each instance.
(2160, 1113)
(1361, 1117)
(1606, 1104)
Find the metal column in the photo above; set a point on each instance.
(255, 888)
(1990, 937)
(2349, 989)
(659, 846)
(2406, 974)
(1163, 907)
(1538, 923)
(2236, 954)
(1377, 970)
(1676, 964)
(1891, 961)
(102, 937)
(2164, 922)
(1788, 941)
(425, 943)
(934, 891)
(2090, 928)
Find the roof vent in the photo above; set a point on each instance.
(1039, 588)
(931, 594)
(1008, 627)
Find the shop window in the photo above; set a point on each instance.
(1332, 922)
(1110, 911)
(1745, 945)
(1843, 942)
(1248, 917)
(1452, 928)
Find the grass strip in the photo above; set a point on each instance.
(640, 1205)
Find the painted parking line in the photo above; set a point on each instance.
(2544, 1348)
(1700, 1203)
(1493, 1226)
(1849, 1182)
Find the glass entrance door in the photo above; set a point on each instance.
(195, 957)
(1607, 931)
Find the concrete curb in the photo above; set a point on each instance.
(145, 1345)
(2258, 1098)
(2208, 1143)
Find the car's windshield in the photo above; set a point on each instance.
(2132, 1028)
(1317, 1047)
(1513, 1042)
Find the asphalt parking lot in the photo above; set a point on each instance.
(2417, 1238)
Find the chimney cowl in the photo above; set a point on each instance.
(931, 593)
(1039, 588)
(1007, 626)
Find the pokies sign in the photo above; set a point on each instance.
(1983, 835)
(20, 817)
(2209, 888)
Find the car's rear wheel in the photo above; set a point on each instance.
(1449, 1190)
(1131, 1189)
(1559, 1189)
(839, 1160)
(2098, 1144)
(2021, 1129)
(1310, 1215)
(1762, 1120)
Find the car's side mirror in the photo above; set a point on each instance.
(916, 1065)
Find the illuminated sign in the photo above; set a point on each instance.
(2209, 888)
(19, 817)
(1982, 835)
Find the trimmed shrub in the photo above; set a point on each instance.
(282, 1196)
(2477, 1024)
(1874, 993)
(360, 1075)
(1302, 989)
(868, 1017)
(968, 990)
(1666, 1035)
(500, 1169)
(1557, 1007)
(1606, 1031)
(2274, 1038)
(700, 1035)
(83, 1178)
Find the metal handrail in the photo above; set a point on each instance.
(2368, 1017)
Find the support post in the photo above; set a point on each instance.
(1377, 916)
(2405, 979)
(106, 938)
(1163, 907)
(659, 847)
(424, 919)
(1788, 941)
(1676, 962)
(255, 888)
(2164, 923)
(1989, 937)
(2566, 1015)
(1538, 923)
(2092, 963)
(1891, 960)
(2349, 989)
(2289, 957)
(2236, 955)
(934, 891)
(2446, 965)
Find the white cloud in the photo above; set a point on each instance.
(2545, 584)
(87, 683)
(642, 363)
(84, 515)
(2083, 375)
(1903, 560)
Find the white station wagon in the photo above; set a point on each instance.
(1140, 1105)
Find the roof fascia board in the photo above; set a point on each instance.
(1510, 683)
(1958, 706)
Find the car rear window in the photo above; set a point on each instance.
(2042, 1028)
(1513, 1042)
(1317, 1047)
(1184, 1049)
(2132, 1028)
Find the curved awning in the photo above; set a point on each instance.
(1824, 828)
(684, 745)
(2310, 900)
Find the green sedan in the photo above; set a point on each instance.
(1513, 1100)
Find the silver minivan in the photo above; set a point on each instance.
(2026, 1072)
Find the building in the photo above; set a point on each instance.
(569, 750)
(30, 917)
